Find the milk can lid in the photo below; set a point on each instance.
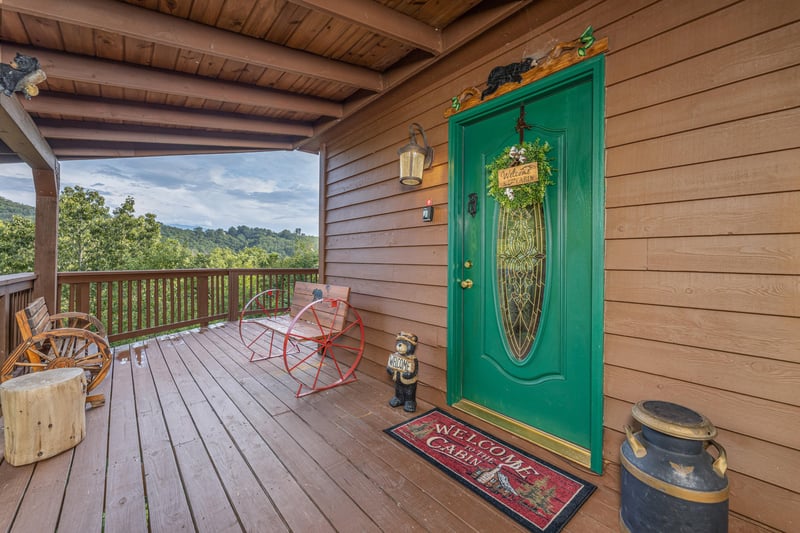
(674, 420)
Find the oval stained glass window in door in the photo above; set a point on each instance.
(521, 241)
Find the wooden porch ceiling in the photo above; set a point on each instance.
(162, 77)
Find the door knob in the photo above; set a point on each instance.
(466, 284)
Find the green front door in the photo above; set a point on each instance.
(525, 336)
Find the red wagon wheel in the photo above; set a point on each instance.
(61, 348)
(253, 331)
(324, 345)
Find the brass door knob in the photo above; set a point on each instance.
(466, 284)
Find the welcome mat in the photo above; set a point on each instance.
(536, 494)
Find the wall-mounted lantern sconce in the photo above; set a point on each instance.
(414, 158)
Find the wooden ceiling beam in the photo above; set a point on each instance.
(152, 26)
(382, 20)
(73, 107)
(94, 132)
(75, 151)
(475, 23)
(454, 36)
(20, 134)
(90, 70)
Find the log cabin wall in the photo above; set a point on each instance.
(702, 219)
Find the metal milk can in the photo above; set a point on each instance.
(670, 482)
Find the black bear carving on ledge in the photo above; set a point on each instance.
(22, 74)
(506, 74)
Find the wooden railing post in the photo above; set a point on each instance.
(7, 324)
(233, 295)
(202, 299)
(83, 297)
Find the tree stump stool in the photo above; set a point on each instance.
(44, 414)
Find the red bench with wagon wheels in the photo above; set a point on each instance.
(316, 331)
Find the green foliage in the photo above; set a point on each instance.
(236, 238)
(92, 237)
(521, 196)
(8, 209)
(16, 245)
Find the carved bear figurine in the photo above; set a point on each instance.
(22, 74)
(403, 367)
(500, 75)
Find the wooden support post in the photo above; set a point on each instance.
(45, 263)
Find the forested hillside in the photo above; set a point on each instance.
(8, 209)
(94, 237)
(235, 238)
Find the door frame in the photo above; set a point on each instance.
(594, 69)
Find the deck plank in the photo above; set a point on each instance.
(13, 481)
(295, 507)
(125, 504)
(42, 502)
(319, 411)
(166, 498)
(211, 509)
(84, 496)
(253, 506)
(342, 512)
(212, 442)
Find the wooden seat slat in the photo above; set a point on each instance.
(38, 317)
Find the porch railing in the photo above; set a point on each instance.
(16, 292)
(135, 304)
(138, 304)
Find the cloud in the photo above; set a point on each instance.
(274, 190)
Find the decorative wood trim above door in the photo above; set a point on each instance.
(563, 55)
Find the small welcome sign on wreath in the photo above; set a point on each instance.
(520, 175)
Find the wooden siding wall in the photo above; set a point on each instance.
(702, 221)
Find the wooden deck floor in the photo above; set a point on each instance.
(195, 437)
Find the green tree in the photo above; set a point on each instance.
(90, 237)
(306, 254)
(82, 216)
(168, 254)
(131, 238)
(16, 245)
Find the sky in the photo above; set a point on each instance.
(272, 190)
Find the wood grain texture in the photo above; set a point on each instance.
(715, 30)
(738, 60)
(756, 96)
(744, 333)
(760, 293)
(759, 377)
(763, 133)
(740, 176)
(766, 254)
(763, 419)
(740, 215)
